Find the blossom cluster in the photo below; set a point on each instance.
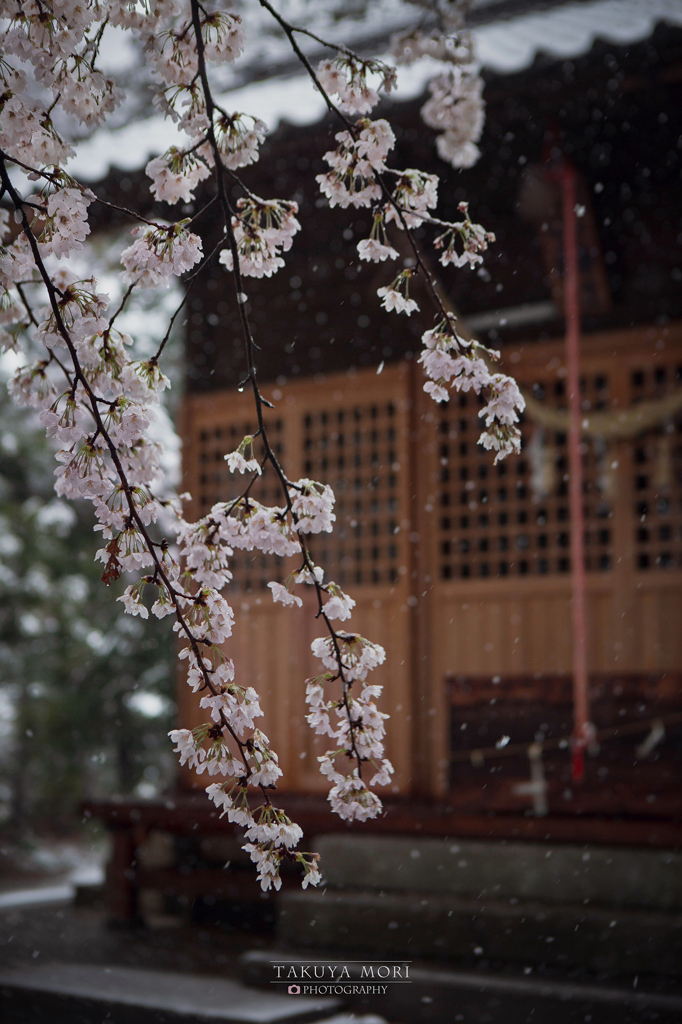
(176, 174)
(233, 138)
(346, 76)
(354, 163)
(159, 253)
(262, 230)
(65, 216)
(57, 44)
(353, 722)
(452, 361)
(473, 238)
(206, 548)
(396, 295)
(456, 106)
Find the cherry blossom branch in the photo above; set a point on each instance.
(361, 155)
(58, 179)
(289, 32)
(269, 455)
(113, 463)
(133, 513)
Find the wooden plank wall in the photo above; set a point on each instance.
(480, 599)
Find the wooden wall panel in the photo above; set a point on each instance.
(659, 636)
(525, 630)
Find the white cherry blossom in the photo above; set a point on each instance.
(175, 175)
(312, 504)
(159, 254)
(284, 596)
(391, 299)
(339, 605)
(346, 77)
(372, 249)
(236, 463)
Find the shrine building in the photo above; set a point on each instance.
(461, 569)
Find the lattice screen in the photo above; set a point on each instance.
(252, 570)
(509, 519)
(513, 518)
(657, 476)
(355, 450)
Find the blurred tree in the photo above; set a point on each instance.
(85, 692)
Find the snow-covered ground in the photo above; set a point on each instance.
(57, 868)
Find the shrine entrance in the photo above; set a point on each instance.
(462, 570)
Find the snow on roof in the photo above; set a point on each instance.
(570, 30)
(503, 46)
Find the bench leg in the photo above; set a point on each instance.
(122, 887)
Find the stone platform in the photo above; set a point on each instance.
(602, 908)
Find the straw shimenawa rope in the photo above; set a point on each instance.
(616, 424)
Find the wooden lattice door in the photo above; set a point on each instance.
(498, 600)
(351, 431)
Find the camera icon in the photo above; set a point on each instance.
(294, 990)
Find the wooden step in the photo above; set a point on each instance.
(608, 876)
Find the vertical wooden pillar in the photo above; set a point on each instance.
(581, 709)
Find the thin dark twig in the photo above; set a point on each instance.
(25, 301)
(202, 211)
(339, 47)
(238, 181)
(95, 43)
(191, 278)
(130, 213)
(122, 304)
(157, 356)
(289, 31)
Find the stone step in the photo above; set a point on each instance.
(610, 876)
(74, 994)
(432, 925)
(445, 996)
